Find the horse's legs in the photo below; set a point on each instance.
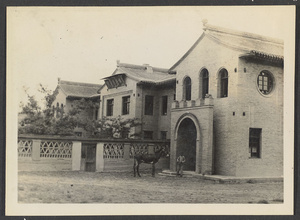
(138, 170)
(134, 165)
(153, 169)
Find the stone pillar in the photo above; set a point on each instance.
(36, 149)
(76, 155)
(127, 151)
(99, 157)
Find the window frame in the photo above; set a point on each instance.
(96, 113)
(125, 105)
(223, 78)
(255, 140)
(187, 89)
(149, 105)
(204, 76)
(109, 107)
(270, 82)
(163, 135)
(164, 105)
(149, 135)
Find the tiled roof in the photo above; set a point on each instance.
(145, 73)
(241, 41)
(77, 89)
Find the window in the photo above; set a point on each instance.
(148, 135)
(149, 105)
(163, 135)
(223, 83)
(265, 82)
(164, 105)
(205, 82)
(110, 107)
(96, 113)
(254, 142)
(187, 88)
(125, 105)
(125, 133)
(78, 134)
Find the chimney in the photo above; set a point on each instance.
(148, 68)
(118, 62)
(58, 79)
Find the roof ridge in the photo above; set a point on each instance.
(135, 66)
(64, 82)
(213, 28)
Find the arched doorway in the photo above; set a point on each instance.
(186, 143)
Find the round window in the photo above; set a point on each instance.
(265, 82)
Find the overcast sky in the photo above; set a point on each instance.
(83, 44)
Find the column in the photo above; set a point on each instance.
(35, 154)
(99, 157)
(127, 151)
(76, 155)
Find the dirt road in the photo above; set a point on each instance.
(85, 187)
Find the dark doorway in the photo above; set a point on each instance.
(186, 143)
(88, 155)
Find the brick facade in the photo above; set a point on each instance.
(220, 123)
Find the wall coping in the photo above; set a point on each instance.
(88, 140)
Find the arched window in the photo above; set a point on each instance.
(223, 74)
(187, 88)
(265, 82)
(204, 82)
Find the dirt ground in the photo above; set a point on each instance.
(122, 187)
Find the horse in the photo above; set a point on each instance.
(148, 158)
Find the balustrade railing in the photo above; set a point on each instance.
(56, 149)
(138, 148)
(113, 150)
(24, 148)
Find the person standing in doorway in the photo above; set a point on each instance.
(180, 162)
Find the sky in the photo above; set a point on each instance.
(82, 44)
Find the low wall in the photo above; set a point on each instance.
(127, 165)
(27, 164)
(44, 153)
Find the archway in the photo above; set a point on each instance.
(186, 143)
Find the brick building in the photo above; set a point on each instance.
(221, 104)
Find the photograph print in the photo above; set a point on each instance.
(150, 110)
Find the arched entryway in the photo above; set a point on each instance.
(186, 143)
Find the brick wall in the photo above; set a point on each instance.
(264, 112)
(230, 126)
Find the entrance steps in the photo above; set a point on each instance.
(172, 173)
(224, 179)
